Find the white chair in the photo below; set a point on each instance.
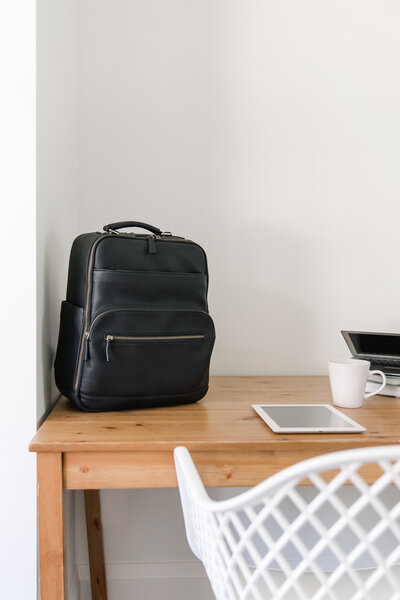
(337, 539)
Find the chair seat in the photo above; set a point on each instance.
(338, 538)
(343, 589)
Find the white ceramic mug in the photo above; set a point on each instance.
(348, 380)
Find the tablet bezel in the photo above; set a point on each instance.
(355, 427)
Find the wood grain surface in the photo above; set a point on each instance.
(95, 545)
(51, 526)
(223, 420)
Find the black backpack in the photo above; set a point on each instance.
(135, 330)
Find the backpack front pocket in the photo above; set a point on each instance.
(113, 287)
(137, 339)
(139, 353)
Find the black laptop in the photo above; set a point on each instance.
(381, 349)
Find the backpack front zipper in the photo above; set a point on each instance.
(148, 338)
(85, 354)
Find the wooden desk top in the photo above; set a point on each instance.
(223, 420)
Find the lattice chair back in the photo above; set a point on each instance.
(337, 538)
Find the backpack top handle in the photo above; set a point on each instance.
(113, 227)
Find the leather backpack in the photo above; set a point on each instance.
(134, 329)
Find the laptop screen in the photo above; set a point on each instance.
(381, 344)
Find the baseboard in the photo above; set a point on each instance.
(161, 570)
(74, 586)
(170, 581)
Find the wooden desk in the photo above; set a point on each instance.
(230, 444)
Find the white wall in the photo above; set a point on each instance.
(57, 197)
(269, 132)
(57, 174)
(17, 299)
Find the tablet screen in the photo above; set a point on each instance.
(297, 418)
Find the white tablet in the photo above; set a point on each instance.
(306, 418)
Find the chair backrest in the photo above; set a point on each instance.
(282, 540)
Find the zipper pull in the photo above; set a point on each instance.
(87, 355)
(109, 338)
(152, 245)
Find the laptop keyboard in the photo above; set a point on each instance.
(387, 366)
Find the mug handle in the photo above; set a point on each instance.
(380, 388)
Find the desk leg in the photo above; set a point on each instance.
(51, 525)
(95, 545)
